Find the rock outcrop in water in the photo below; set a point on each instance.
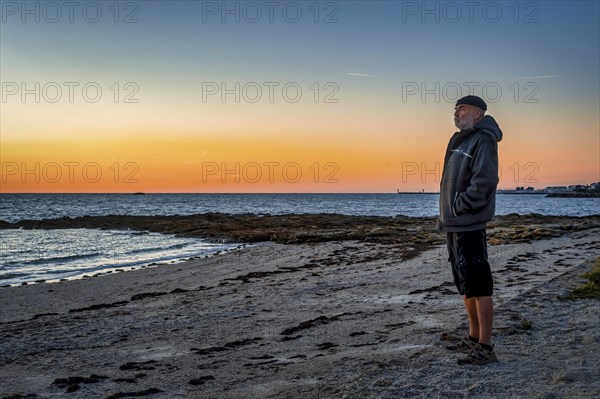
(418, 232)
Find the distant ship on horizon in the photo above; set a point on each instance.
(416, 192)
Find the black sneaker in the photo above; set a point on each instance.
(465, 345)
(479, 356)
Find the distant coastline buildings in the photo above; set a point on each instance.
(572, 191)
(575, 190)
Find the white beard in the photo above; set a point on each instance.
(465, 124)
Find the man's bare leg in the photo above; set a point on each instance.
(482, 353)
(485, 316)
(471, 305)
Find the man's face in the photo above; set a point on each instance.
(465, 116)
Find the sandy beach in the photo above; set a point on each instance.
(317, 307)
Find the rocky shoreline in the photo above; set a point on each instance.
(418, 232)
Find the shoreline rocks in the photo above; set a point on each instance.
(313, 228)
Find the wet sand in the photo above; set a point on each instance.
(359, 317)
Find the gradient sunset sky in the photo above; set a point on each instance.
(342, 96)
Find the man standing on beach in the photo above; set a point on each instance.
(467, 203)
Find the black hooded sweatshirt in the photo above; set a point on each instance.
(470, 177)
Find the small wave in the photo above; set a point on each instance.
(53, 260)
(158, 249)
(8, 276)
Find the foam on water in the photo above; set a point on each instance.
(51, 255)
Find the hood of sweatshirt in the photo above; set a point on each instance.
(489, 125)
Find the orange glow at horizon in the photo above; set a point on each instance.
(273, 164)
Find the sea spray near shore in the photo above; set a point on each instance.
(51, 255)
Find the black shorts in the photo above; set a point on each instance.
(467, 251)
